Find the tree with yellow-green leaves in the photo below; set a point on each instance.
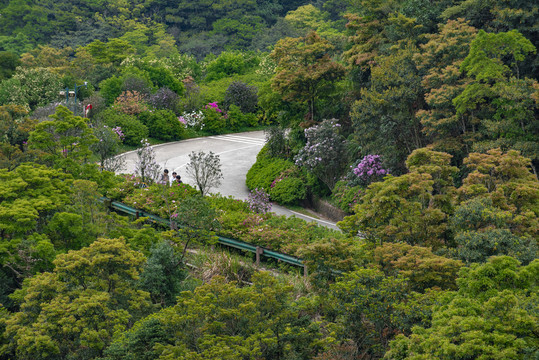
(491, 316)
(221, 320)
(65, 139)
(305, 71)
(74, 310)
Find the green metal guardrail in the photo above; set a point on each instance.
(238, 244)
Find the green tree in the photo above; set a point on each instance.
(162, 274)
(506, 179)
(75, 310)
(222, 320)
(8, 63)
(419, 265)
(29, 194)
(498, 98)
(483, 230)
(384, 119)
(412, 208)
(309, 18)
(113, 51)
(305, 71)
(65, 139)
(364, 301)
(491, 316)
(15, 127)
(440, 61)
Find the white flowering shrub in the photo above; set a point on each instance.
(324, 155)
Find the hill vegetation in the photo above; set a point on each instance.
(417, 118)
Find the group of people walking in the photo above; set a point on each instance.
(166, 180)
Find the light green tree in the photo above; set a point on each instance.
(491, 316)
(75, 310)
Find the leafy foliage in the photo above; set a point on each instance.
(242, 95)
(305, 72)
(163, 125)
(76, 308)
(490, 310)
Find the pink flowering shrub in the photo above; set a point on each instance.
(259, 201)
(214, 119)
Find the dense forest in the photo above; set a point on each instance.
(419, 119)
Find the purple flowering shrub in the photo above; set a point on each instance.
(259, 201)
(164, 99)
(324, 155)
(367, 170)
(118, 131)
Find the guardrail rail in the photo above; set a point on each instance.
(233, 243)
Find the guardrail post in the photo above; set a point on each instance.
(137, 215)
(305, 272)
(259, 251)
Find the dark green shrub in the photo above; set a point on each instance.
(243, 96)
(288, 190)
(163, 125)
(132, 128)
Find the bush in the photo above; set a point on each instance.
(236, 119)
(230, 63)
(132, 128)
(243, 96)
(346, 197)
(164, 99)
(214, 122)
(110, 89)
(264, 171)
(288, 191)
(163, 125)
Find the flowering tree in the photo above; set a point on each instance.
(259, 201)
(368, 170)
(205, 169)
(107, 147)
(324, 154)
(146, 166)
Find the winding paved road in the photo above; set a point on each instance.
(237, 153)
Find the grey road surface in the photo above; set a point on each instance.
(237, 153)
